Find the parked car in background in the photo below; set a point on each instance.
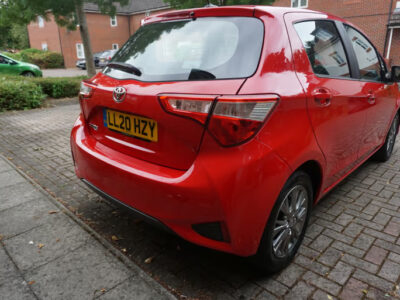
(227, 125)
(14, 67)
(81, 63)
(101, 59)
(105, 57)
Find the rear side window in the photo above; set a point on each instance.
(368, 61)
(204, 48)
(324, 48)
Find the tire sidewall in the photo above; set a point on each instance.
(265, 257)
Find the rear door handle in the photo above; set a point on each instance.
(371, 98)
(322, 97)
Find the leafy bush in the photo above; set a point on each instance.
(44, 59)
(17, 92)
(20, 94)
(60, 87)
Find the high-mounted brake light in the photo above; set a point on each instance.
(86, 90)
(234, 119)
(237, 119)
(196, 107)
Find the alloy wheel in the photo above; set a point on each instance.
(290, 221)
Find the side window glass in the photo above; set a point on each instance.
(2, 60)
(368, 61)
(324, 48)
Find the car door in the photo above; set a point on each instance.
(335, 105)
(379, 94)
(7, 66)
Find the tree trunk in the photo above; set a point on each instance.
(81, 18)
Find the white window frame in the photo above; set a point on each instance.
(299, 4)
(115, 46)
(40, 21)
(45, 47)
(80, 51)
(114, 21)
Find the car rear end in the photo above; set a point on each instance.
(164, 131)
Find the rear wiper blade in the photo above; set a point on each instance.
(197, 74)
(128, 68)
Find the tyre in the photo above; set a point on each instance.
(28, 74)
(386, 150)
(286, 226)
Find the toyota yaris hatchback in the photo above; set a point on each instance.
(226, 125)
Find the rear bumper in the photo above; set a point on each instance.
(239, 191)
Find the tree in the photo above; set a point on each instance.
(13, 36)
(201, 3)
(66, 13)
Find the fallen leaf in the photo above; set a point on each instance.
(31, 243)
(40, 245)
(114, 238)
(365, 292)
(57, 240)
(31, 282)
(124, 250)
(149, 260)
(103, 290)
(1, 237)
(51, 212)
(329, 297)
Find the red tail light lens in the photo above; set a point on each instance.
(86, 90)
(195, 107)
(234, 119)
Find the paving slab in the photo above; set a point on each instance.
(14, 195)
(42, 244)
(7, 268)
(9, 178)
(81, 274)
(24, 217)
(16, 288)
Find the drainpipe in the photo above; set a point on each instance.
(387, 31)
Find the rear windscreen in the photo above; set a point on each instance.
(199, 49)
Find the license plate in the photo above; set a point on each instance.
(132, 125)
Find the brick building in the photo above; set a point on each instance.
(105, 32)
(379, 19)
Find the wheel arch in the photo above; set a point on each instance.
(314, 170)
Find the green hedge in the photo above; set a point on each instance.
(60, 87)
(20, 95)
(17, 92)
(44, 59)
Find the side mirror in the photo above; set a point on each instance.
(395, 74)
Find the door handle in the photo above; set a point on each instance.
(322, 97)
(371, 98)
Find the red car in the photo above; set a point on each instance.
(226, 125)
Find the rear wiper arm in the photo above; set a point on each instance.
(197, 74)
(128, 68)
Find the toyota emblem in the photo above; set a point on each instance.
(119, 94)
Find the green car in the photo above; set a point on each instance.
(14, 67)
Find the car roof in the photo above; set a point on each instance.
(236, 10)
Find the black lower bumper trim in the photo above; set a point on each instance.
(135, 212)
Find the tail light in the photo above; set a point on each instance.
(191, 106)
(86, 90)
(233, 119)
(236, 119)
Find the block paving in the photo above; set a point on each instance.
(351, 249)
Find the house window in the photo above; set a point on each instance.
(40, 21)
(45, 47)
(300, 3)
(115, 46)
(113, 21)
(80, 53)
